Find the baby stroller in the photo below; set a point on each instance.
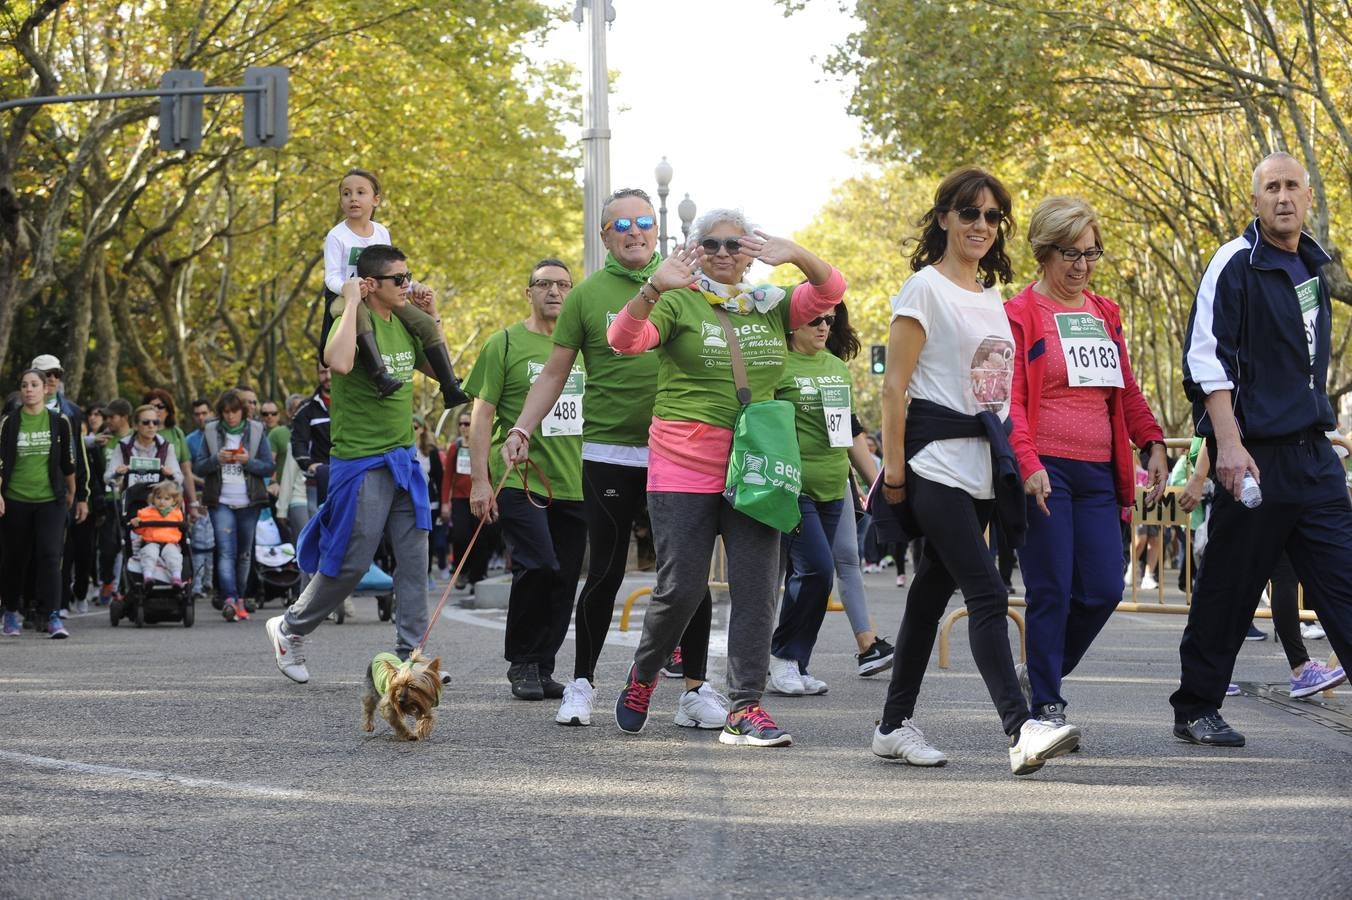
(144, 599)
(275, 564)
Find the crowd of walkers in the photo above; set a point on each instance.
(719, 410)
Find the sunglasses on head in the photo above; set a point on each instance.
(711, 246)
(820, 320)
(154, 422)
(644, 223)
(970, 214)
(399, 278)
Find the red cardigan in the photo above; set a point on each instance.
(1128, 412)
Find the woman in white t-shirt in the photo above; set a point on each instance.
(950, 349)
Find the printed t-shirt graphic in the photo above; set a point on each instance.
(818, 386)
(30, 482)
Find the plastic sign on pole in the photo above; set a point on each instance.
(265, 123)
(181, 114)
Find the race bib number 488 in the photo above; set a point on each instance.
(565, 416)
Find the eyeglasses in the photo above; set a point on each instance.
(399, 278)
(1071, 254)
(970, 214)
(53, 373)
(155, 422)
(544, 284)
(711, 246)
(620, 226)
(827, 320)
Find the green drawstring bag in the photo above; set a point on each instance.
(765, 469)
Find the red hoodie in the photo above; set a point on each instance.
(1128, 412)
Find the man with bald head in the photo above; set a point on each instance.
(1255, 367)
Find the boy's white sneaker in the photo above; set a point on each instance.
(1039, 741)
(703, 708)
(576, 707)
(287, 649)
(784, 678)
(907, 743)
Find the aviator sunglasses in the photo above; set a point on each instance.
(970, 214)
(644, 223)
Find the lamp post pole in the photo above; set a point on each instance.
(595, 128)
(686, 210)
(663, 175)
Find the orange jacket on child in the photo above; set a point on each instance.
(159, 534)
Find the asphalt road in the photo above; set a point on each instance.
(171, 762)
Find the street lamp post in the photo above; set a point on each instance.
(663, 175)
(595, 128)
(686, 210)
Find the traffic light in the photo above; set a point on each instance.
(265, 110)
(877, 354)
(181, 114)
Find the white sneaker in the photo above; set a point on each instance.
(1126, 578)
(1312, 631)
(1148, 582)
(784, 678)
(287, 649)
(349, 609)
(704, 708)
(813, 686)
(1038, 742)
(81, 606)
(907, 742)
(576, 708)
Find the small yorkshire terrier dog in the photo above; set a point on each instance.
(399, 689)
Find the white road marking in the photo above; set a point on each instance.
(66, 765)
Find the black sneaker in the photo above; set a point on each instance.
(1209, 731)
(553, 690)
(877, 658)
(674, 666)
(631, 706)
(1052, 713)
(527, 686)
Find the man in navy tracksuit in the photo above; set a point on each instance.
(1255, 366)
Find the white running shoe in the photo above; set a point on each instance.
(1312, 631)
(784, 678)
(813, 686)
(704, 708)
(81, 606)
(1148, 582)
(907, 743)
(576, 708)
(1038, 742)
(287, 649)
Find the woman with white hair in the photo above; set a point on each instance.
(676, 312)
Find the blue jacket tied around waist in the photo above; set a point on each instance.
(323, 542)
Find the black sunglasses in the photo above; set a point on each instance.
(711, 245)
(829, 320)
(970, 214)
(155, 422)
(399, 278)
(270, 412)
(53, 373)
(464, 424)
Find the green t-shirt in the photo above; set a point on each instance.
(620, 388)
(363, 423)
(279, 439)
(31, 480)
(818, 386)
(179, 441)
(694, 375)
(507, 366)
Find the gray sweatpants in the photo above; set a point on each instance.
(849, 580)
(684, 529)
(382, 509)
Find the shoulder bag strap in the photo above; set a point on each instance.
(735, 349)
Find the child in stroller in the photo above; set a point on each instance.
(156, 557)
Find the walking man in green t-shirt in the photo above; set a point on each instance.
(617, 411)
(546, 538)
(376, 487)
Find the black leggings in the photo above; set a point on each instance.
(613, 496)
(32, 535)
(955, 556)
(1286, 612)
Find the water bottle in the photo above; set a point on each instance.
(1249, 493)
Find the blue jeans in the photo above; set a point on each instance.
(234, 545)
(1072, 571)
(811, 569)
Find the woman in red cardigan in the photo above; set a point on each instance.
(1076, 411)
